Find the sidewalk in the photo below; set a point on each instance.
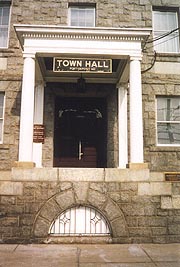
(117, 255)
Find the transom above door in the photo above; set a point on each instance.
(80, 132)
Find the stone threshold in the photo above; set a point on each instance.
(82, 174)
(51, 174)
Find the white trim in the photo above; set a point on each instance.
(135, 112)
(1, 141)
(27, 111)
(175, 122)
(168, 145)
(122, 126)
(76, 33)
(156, 133)
(69, 16)
(38, 119)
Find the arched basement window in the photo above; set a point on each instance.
(80, 221)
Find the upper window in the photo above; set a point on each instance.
(165, 29)
(82, 16)
(168, 120)
(1, 115)
(4, 24)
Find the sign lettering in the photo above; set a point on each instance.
(38, 134)
(82, 65)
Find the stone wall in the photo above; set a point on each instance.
(8, 150)
(140, 206)
(161, 80)
(126, 13)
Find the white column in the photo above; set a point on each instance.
(122, 126)
(136, 119)
(27, 109)
(38, 119)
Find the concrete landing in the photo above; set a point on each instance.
(118, 255)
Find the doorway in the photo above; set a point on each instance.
(80, 132)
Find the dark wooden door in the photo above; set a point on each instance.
(80, 132)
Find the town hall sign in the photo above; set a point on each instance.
(82, 65)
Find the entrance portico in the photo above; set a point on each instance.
(123, 46)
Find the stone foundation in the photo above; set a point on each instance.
(140, 206)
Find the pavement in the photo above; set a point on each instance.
(102, 255)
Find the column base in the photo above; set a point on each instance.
(24, 164)
(137, 166)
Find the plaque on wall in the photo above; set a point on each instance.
(38, 134)
(172, 176)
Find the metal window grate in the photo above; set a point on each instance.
(80, 221)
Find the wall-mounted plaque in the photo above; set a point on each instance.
(82, 65)
(172, 176)
(38, 134)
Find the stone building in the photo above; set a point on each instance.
(89, 121)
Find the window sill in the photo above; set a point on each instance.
(106, 239)
(165, 148)
(2, 47)
(168, 56)
(168, 145)
(6, 51)
(3, 146)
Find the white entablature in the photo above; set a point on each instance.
(114, 42)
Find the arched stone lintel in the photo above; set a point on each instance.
(67, 199)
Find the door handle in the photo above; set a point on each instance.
(80, 150)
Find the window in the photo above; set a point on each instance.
(1, 115)
(82, 16)
(80, 221)
(168, 120)
(165, 21)
(4, 24)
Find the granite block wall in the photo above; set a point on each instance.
(140, 206)
(159, 80)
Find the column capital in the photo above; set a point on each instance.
(29, 55)
(135, 57)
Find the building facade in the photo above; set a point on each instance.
(89, 121)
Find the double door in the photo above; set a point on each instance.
(80, 132)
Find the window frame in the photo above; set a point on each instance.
(6, 4)
(165, 122)
(83, 6)
(166, 9)
(2, 118)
